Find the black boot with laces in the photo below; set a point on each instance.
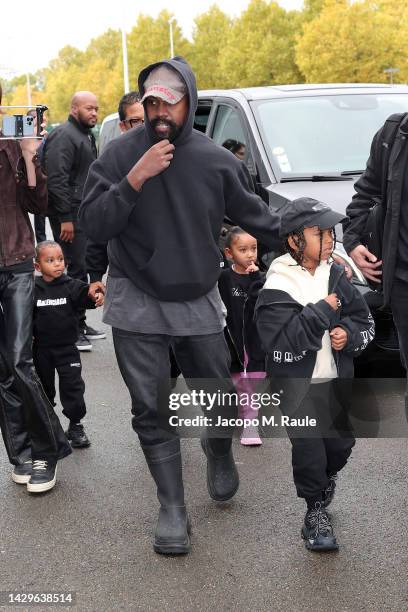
(317, 530)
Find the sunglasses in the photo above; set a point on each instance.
(133, 122)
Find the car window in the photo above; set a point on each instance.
(228, 127)
(202, 114)
(321, 134)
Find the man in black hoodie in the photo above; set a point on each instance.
(159, 195)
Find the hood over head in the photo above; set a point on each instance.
(173, 88)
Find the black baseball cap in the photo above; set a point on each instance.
(306, 212)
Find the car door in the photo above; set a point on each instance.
(227, 125)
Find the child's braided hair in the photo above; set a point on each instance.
(299, 238)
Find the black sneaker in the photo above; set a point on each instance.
(93, 334)
(76, 434)
(43, 476)
(329, 491)
(317, 530)
(21, 473)
(83, 343)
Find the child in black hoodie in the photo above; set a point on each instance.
(239, 286)
(58, 298)
(312, 322)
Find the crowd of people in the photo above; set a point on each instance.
(149, 213)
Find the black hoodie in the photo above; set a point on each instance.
(56, 308)
(164, 238)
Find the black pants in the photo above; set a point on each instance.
(67, 362)
(12, 421)
(325, 449)
(143, 360)
(74, 254)
(19, 381)
(399, 305)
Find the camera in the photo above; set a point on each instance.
(20, 125)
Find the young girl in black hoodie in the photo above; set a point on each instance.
(312, 322)
(239, 286)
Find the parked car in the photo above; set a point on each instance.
(305, 140)
(310, 140)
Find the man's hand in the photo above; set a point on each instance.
(153, 162)
(367, 263)
(67, 231)
(97, 292)
(252, 268)
(342, 262)
(29, 146)
(338, 337)
(332, 300)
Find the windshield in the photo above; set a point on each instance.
(323, 134)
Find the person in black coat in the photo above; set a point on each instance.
(312, 322)
(158, 195)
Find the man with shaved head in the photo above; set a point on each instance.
(69, 152)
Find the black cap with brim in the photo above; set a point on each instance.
(307, 212)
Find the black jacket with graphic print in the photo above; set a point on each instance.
(291, 333)
(239, 293)
(56, 308)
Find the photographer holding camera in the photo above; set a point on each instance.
(24, 406)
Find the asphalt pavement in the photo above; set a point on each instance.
(92, 534)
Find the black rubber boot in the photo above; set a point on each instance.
(173, 527)
(222, 473)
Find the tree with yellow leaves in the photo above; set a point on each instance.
(354, 42)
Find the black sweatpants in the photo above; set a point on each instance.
(67, 362)
(324, 449)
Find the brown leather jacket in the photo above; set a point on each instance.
(16, 201)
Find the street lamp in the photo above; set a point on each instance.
(125, 61)
(124, 51)
(171, 36)
(29, 101)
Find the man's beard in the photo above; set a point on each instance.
(85, 124)
(173, 132)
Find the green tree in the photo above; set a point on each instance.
(260, 47)
(61, 78)
(148, 42)
(209, 39)
(354, 42)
